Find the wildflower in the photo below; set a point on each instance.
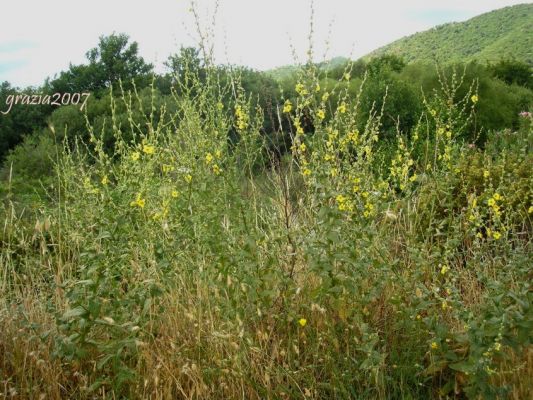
(497, 346)
(334, 172)
(342, 108)
(474, 98)
(497, 196)
(347, 76)
(138, 202)
(105, 181)
(148, 149)
(302, 322)
(167, 168)
(220, 106)
(530, 210)
(156, 216)
(287, 107)
(444, 269)
(216, 169)
(486, 174)
(491, 202)
(340, 199)
(135, 155)
(325, 96)
(188, 178)
(218, 154)
(302, 148)
(496, 235)
(418, 316)
(433, 113)
(444, 305)
(174, 194)
(242, 118)
(306, 172)
(413, 178)
(300, 89)
(317, 88)
(208, 158)
(434, 345)
(321, 114)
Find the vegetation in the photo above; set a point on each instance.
(353, 230)
(505, 33)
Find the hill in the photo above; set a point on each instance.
(503, 33)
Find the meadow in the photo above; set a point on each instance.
(174, 254)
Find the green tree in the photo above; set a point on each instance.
(112, 60)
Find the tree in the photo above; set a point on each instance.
(513, 72)
(113, 60)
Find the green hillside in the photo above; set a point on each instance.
(503, 33)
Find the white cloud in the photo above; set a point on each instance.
(254, 32)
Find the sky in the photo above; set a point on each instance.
(41, 38)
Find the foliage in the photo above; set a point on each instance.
(172, 261)
(504, 33)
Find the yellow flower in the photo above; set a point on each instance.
(497, 346)
(444, 269)
(340, 199)
(167, 168)
(342, 108)
(174, 193)
(317, 88)
(497, 196)
(306, 172)
(300, 89)
(188, 178)
(434, 345)
(208, 158)
(347, 76)
(325, 96)
(496, 235)
(474, 99)
(218, 154)
(220, 106)
(148, 149)
(530, 210)
(105, 181)
(413, 178)
(491, 202)
(321, 114)
(138, 202)
(486, 174)
(135, 155)
(433, 112)
(216, 169)
(302, 322)
(287, 107)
